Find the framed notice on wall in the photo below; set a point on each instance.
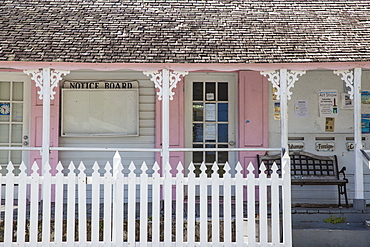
(100, 112)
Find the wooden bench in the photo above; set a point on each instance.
(311, 169)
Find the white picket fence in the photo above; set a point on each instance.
(180, 210)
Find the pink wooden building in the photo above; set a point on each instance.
(181, 81)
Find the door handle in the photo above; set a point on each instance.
(231, 143)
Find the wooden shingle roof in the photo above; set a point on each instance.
(184, 31)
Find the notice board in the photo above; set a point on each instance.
(100, 112)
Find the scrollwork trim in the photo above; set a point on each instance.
(348, 78)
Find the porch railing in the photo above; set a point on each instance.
(141, 207)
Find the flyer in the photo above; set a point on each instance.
(301, 108)
(329, 124)
(328, 100)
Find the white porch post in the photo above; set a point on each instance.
(46, 79)
(46, 117)
(165, 118)
(283, 109)
(359, 201)
(165, 80)
(353, 83)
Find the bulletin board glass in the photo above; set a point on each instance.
(100, 112)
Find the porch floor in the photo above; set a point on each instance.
(311, 230)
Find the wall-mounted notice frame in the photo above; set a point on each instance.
(100, 112)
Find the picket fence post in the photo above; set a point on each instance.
(46, 200)
(81, 178)
(287, 217)
(9, 192)
(71, 205)
(21, 227)
(34, 200)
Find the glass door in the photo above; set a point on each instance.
(14, 125)
(213, 103)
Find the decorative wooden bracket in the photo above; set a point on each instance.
(157, 78)
(274, 78)
(347, 77)
(37, 75)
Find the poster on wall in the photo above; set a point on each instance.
(365, 97)
(365, 106)
(328, 100)
(274, 93)
(277, 111)
(347, 102)
(365, 123)
(329, 124)
(301, 108)
(365, 101)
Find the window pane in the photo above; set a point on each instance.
(197, 132)
(4, 159)
(198, 111)
(222, 91)
(16, 157)
(210, 91)
(4, 90)
(223, 133)
(17, 112)
(16, 133)
(4, 133)
(18, 91)
(210, 132)
(210, 155)
(223, 112)
(223, 156)
(198, 156)
(198, 91)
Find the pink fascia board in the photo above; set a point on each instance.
(220, 67)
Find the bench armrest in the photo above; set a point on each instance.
(342, 171)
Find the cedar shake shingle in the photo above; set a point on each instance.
(184, 31)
